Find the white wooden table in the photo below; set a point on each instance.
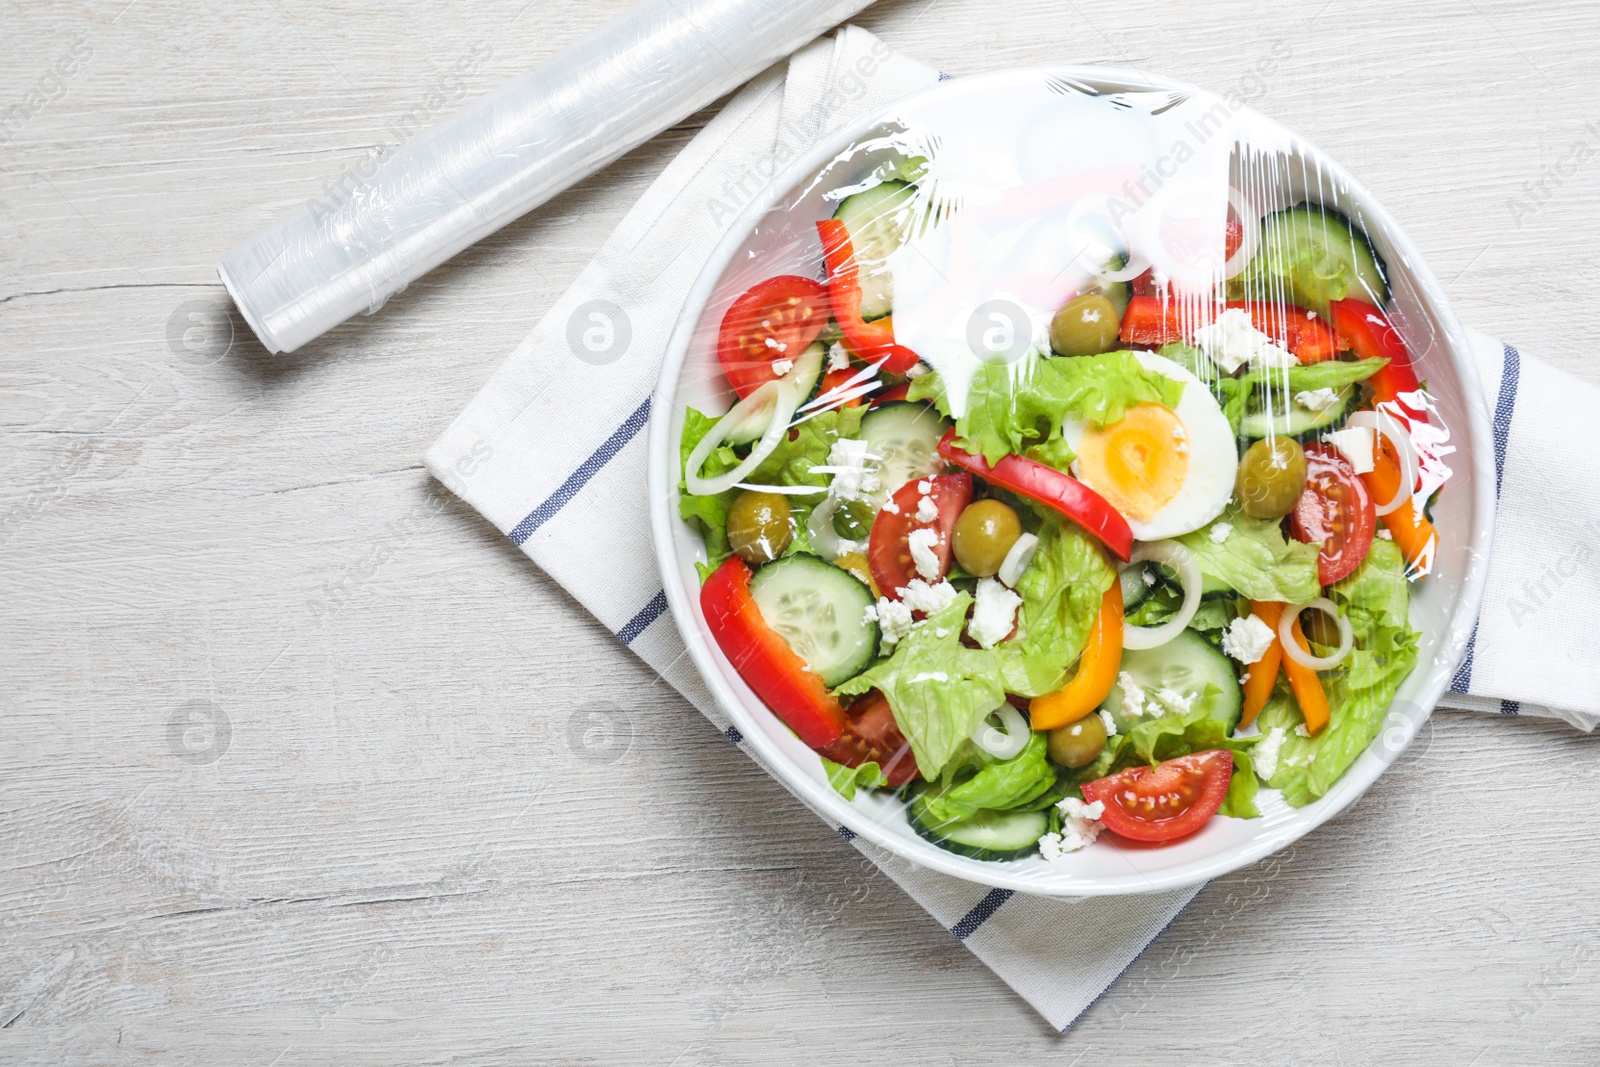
(387, 827)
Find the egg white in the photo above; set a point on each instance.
(1213, 457)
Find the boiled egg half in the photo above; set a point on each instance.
(1167, 470)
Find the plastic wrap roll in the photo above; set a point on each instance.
(347, 250)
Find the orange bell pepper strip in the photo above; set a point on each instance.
(1263, 673)
(1411, 530)
(1097, 670)
(1307, 686)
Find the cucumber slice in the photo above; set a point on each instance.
(806, 374)
(1135, 590)
(820, 610)
(1186, 665)
(1312, 255)
(988, 835)
(904, 435)
(1297, 421)
(877, 220)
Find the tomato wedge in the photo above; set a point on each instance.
(775, 319)
(889, 546)
(764, 659)
(1061, 493)
(872, 736)
(871, 342)
(1167, 801)
(1154, 321)
(1336, 509)
(1371, 335)
(889, 396)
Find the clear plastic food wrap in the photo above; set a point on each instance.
(1096, 399)
(352, 247)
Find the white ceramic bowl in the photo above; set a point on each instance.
(776, 229)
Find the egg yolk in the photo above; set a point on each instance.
(1137, 463)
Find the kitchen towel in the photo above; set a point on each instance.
(552, 451)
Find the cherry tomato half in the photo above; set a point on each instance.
(872, 736)
(1167, 801)
(775, 319)
(1336, 509)
(889, 547)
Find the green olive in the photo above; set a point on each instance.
(758, 526)
(852, 520)
(1086, 326)
(1077, 744)
(1272, 475)
(984, 534)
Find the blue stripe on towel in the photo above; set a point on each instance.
(1505, 406)
(641, 622)
(1511, 707)
(980, 912)
(580, 477)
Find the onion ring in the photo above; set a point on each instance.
(1381, 422)
(783, 397)
(1007, 742)
(1291, 647)
(1184, 562)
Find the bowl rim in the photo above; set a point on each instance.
(662, 479)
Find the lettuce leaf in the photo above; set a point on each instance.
(939, 690)
(1018, 407)
(1256, 559)
(1061, 593)
(976, 781)
(846, 780)
(1375, 599)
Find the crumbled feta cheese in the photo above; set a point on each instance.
(891, 507)
(1355, 443)
(1132, 695)
(1080, 825)
(924, 487)
(1111, 724)
(1385, 534)
(854, 470)
(921, 542)
(1219, 534)
(1233, 340)
(838, 358)
(1247, 639)
(894, 620)
(1174, 701)
(918, 595)
(993, 613)
(1264, 755)
(782, 366)
(773, 342)
(917, 371)
(927, 510)
(1301, 731)
(1149, 579)
(1318, 400)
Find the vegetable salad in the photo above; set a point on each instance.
(1116, 579)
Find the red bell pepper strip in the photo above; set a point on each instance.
(764, 659)
(1154, 320)
(889, 396)
(1059, 492)
(1371, 335)
(869, 341)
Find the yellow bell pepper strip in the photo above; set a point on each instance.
(1097, 670)
(1262, 675)
(1307, 686)
(1411, 530)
